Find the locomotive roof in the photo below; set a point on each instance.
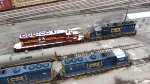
(11, 71)
(46, 33)
(76, 60)
(42, 33)
(119, 24)
(95, 57)
(119, 53)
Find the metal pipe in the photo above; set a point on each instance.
(127, 10)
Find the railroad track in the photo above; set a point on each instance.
(101, 50)
(66, 8)
(95, 9)
(143, 38)
(141, 61)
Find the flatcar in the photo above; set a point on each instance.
(27, 74)
(95, 63)
(112, 30)
(47, 39)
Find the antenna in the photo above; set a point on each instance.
(127, 10)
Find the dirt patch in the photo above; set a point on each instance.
(120, 81)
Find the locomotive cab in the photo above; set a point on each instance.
(122, 57)
(120, 28)
(95, 32)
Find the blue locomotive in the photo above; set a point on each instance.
(112, 30)
(27, 74)
(95, 63)
(43, 71)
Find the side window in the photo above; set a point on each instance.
(111, 60)
(121, 60)
(98, 33)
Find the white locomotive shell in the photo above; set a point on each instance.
(26, 57)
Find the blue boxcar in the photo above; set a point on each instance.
(34, 73)
(94, 62)
(123, 28)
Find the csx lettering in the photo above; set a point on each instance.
(115, 30)
(94, 65)
(17, 79)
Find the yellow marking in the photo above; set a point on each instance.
(53, 38)
(96, 64)
(42, 81)
(87, 35)
(15, 79)
(53, 72)
(63, 69)
(30, 41)
(114, 30)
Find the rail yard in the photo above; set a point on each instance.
(121, 60)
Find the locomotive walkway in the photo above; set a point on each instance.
(67, 8)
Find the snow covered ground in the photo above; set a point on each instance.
(139, 74)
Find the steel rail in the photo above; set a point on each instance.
(25, 16)
(97, 8)
(52, 9)
(90, 8)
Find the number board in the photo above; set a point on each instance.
(17, 79)
(94, 65)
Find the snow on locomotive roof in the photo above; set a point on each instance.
(11, 71)
(138, 15)
(77, 28)
(44, 33)
(118, 24)
(119, 53)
